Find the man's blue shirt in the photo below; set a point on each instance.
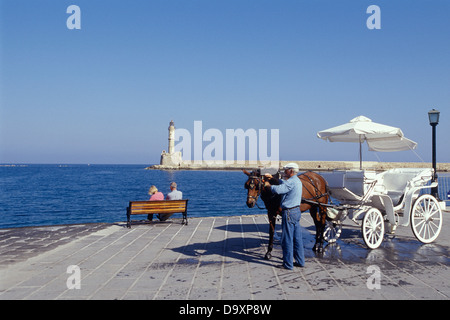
(291, 191)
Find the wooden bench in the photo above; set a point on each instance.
(157, 207)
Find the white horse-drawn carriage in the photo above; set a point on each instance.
(395, 196)
(381, 202)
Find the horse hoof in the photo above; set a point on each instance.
(318, 248)
(268, 256)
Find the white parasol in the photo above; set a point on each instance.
(379, 137)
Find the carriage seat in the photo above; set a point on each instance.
(395, 182)
(350, 185)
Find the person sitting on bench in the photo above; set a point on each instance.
(174, 194)
(155, 195)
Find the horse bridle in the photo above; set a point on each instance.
(252, 186)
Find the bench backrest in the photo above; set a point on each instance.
(165, 206)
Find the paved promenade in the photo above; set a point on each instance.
(214, 258)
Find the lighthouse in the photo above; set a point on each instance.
(171, 159)
(171, 137)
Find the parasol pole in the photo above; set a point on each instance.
(360, 153)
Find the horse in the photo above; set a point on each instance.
(314, 195)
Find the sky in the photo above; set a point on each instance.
(105, 93)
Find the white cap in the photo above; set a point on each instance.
(291, 165)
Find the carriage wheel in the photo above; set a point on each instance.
(426, 218)
(332, 231)
(373, 228)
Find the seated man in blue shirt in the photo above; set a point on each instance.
(174, 194)
(291, 238)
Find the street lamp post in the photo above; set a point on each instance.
(433, 117)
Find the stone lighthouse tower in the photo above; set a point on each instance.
(171, 137)
(171, 159)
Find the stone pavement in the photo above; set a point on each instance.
(214, 258)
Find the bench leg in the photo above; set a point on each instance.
(185, 220)
(128, 218)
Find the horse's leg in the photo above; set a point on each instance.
(272, 220)
(322, 222)
(313, 212)
(318, 245)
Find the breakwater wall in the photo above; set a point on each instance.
(303, 165)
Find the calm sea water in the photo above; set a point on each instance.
(36, 195)
(51, 194)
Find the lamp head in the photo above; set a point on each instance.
(433, 117)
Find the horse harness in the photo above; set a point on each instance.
(318, 193)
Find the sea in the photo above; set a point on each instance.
(38, 195)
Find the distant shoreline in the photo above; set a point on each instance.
(306, 166)
(303, 165)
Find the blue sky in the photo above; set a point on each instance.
(106, 93)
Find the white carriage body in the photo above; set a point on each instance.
(396, 190)
(392, 192)
(390, 195)
(351, 186)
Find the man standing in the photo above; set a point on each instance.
(291, 238)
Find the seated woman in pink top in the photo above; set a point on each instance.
(155, 195)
